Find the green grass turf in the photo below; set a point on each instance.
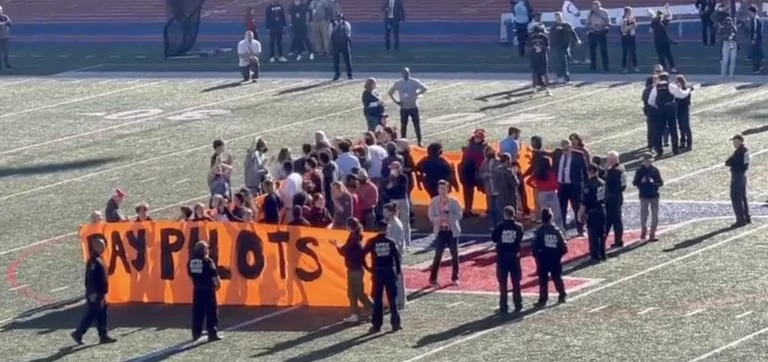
(59, 164)
(40, 59)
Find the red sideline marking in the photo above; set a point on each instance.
(12, 278)
(478, 269)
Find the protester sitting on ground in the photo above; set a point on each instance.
(318, 215)
(255, 167)
(298, 218)
(185, 213)
(342, 204)
(96, 218)
(272, 205)
(239, 211)
(199, 213)
(220, 180)
(221, 211)
(142, 212)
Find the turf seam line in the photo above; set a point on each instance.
(691, 314)
(646, 311)
(742, 315)
(77, 100)
(729, 345)
(146, 119)
(595, 290)
(597, 309)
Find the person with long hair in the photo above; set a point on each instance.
(628, 41)
(318, 215)
(199, 213)
(354, 259)
(342, 204)
(373, 105)
(220, 180)
(142, 212)
(684, 115)
(578, 144)
(485, 174)
(278, 171)
(185, 213)
(255, 166)
(727, 36)
(472, 157)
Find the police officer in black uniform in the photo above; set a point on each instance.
(96, 288)
(662, 97)
(615, 185)
(507, 236)
(739, 164)
(386, 270)
(548, 249)
(341, 44)
(592, 212)
(205, 278)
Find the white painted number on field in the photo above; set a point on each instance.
(198, 115)
(524, 118)
(456, 118)
(137, 113)
(152, 112)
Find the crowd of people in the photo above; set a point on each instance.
(731, 31)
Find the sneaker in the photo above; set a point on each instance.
(272, 60)
(107, 340)
(298, 58)
(290, 54)
(549, 93)
(77, 338)
(282, 60)
(374, 330)
(311, 56)
(352, 319)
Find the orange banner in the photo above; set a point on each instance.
(420, 196)
(259, 264)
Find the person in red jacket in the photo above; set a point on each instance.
(541, 177)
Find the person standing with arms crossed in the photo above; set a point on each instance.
(96, 289)
(408, 92)
(598, 23)
(202, 269)
(739, 164)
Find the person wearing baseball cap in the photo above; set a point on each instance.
(112, 212)
(739, 164)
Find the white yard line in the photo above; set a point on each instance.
(188, 344)
(148, 180)
(597, 309)
(145, 119)
(729, 345)
(647, 310)
(69, 72)
(454, 304)
(691, 314)
(18, 287)
(6, 84)
(742, 315)
(76, 100)
(598, 289)
(710, 168)
(192, 149)
(737, 99)
(181, 181)
(60, 289)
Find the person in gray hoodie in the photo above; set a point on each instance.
(727, 37)
(255, 167)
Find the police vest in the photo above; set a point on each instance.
(663, 96)
(339, 35)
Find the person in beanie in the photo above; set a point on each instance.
(739, 164)
(96, 289)
(341, 45)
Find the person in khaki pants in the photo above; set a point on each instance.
(320, 16)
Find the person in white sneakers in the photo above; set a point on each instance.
(248, 51)
(354, 259)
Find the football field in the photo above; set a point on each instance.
(697, 294)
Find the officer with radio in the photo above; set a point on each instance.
(548, 249)
(386, 269)
(507, 236)
(592, 212)
(202, 269)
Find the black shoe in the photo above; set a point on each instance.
(561, 299)
(77, 337)
(396, 328)
(374, 330)
(335, 78)
(106, 340)
(214, 338)
(749, 220)
(518, 309)
(350, 77)
(502, 310)
(540, 303)
(738, 224)
(653, 239)
(195, 337)
(618, 244)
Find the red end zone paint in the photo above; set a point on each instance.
(478, 269)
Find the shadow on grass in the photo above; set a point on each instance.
(505, 94)
(336, 348)
(222, 87)
(694, 241)
(306, 87)
(56, 167)
(64, 352)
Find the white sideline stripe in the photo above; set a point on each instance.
(454, 304)
(750, 95)
(181, 181)
(18, 287)
(148, 180)
(605, 286)
(179, 152)
(742, 315)
(691, 314)
(79, 69)
(188, 344)
(142, 120)
(59, 289)
(646, 310)
(76, 100)
(4, 84)
(729, 345)
(597, 309)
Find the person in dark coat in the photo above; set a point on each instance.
(432, 169)
(96, 289)
(394, 14)
(205, 279)
(471, 158)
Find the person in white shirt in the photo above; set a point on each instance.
(289, 188)
(248, 52)
(662, 97)
(572, 15)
